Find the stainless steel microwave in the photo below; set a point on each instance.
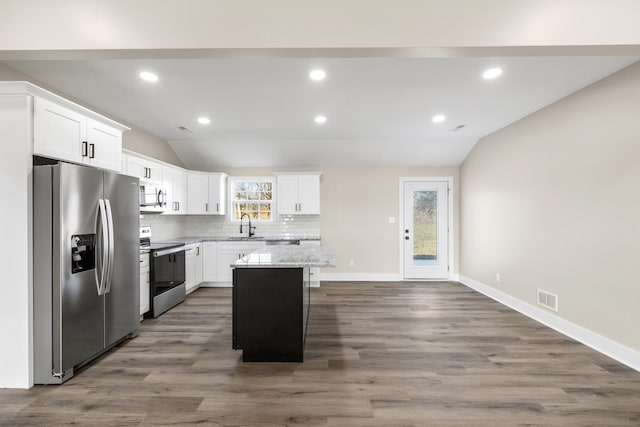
(152, 198)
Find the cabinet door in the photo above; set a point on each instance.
(174, 182)
(314, 272)
(197, 193)
(209, 255)
(217, 193)
(287, 194)
(58, 132)
(180, 192)
(190, 269)
(145, 170)
(144, 290)
(198, 263)
(309, 194)
(104, 146)
(230, 252)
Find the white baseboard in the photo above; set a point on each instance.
(360, 277)
(610, 348)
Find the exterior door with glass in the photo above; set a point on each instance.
(425, 228)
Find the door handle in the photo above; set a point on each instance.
(111, 245)
(406, 237)
(103, 250)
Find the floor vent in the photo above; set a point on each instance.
(548, 300)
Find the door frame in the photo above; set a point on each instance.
(450, 249)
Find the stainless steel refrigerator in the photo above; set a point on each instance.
(85, 267)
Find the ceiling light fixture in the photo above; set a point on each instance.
(438, 118)
(320, 119)
(149, 76)
(317, 75)
(204, 120)
(492, 73)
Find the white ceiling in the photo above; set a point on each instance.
(378, 110)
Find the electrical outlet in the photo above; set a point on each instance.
(498, 278)
(351, 263)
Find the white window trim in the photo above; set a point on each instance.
(230, 191)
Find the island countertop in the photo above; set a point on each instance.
(288, 256)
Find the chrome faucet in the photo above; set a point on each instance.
(252, 230)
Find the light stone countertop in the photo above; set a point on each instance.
(197, 239)
(288, 256)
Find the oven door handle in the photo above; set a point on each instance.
(168, 251)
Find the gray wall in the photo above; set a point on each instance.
(553, 202)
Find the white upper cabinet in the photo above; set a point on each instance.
(145, 170)
(174, 182)
(63, 133)
(206, 193)
(197, 193)
(298, 194)
(218, 193)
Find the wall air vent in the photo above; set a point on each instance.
(184, 129)
(548, 300)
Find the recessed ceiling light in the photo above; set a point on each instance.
(438, 118)
(204, 120)
(149, 76)
(317, 75)
(492, 73)
(320, 119)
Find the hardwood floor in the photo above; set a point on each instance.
(377, 354)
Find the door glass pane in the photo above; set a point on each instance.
(425, 226)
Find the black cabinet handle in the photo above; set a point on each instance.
(84, 148)
(93, 151)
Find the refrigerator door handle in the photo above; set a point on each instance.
(111, 242)
(103, 254)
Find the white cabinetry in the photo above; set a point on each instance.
(193, 266)
(174, 182)
(298, 194)
(68, 134)
(199, 264)
(209, 264)
(314, 272)
(145, 170)
(144, 283)
(230, 252)
(206, 193)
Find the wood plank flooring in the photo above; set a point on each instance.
(377, 354)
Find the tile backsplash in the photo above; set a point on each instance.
(282, 225)
(165, 227)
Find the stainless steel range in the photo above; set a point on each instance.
(167, 287)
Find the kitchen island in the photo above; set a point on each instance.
(271, 299)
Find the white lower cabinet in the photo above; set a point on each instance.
(230, 252)
(193, 266)
(198, 264)
(209, 264)
(145, 273)
(314, 272)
